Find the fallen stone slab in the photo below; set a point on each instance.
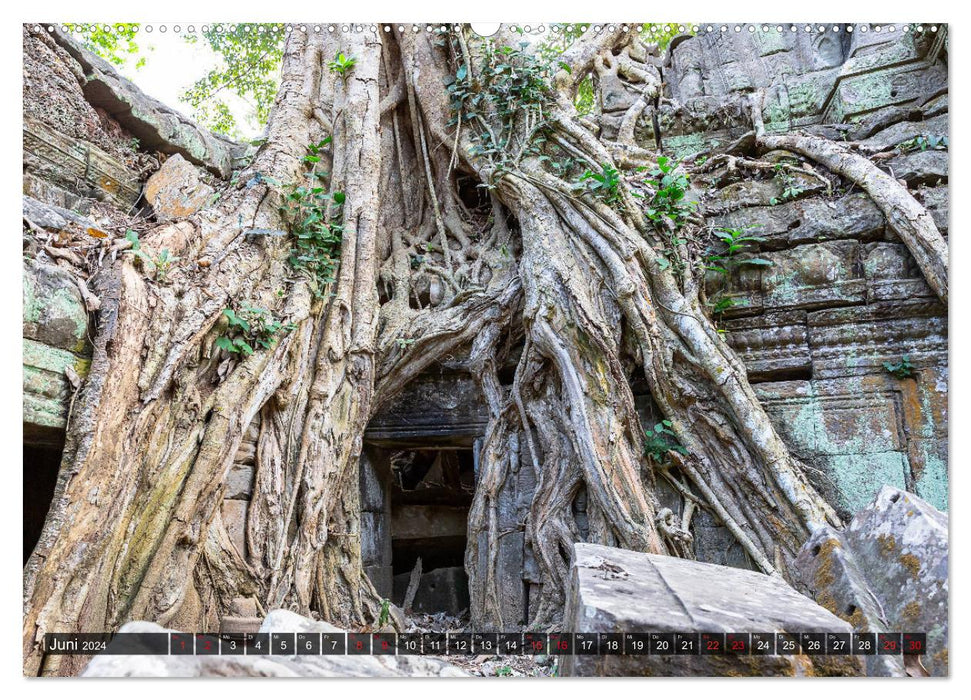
(293, 666)
(620, 591)
(887, 571)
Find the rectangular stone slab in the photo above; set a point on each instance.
(616, 590)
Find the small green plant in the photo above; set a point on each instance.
(341, 64)
(902, 369)
(668, 203)
(505, 100)
(722, 305)
(659, 441)
(314, 214)
(791, 188)
(605, 185)
(504, 671)
(731, 250)
(385, 615)
(250, 326)
(924, 142)
(314, 150)
(734, 241)
(158, 265)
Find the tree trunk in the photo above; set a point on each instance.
(135, 531)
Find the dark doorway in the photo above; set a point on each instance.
(431, 493)
(41, 466)
(422, 514)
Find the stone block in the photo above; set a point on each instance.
(441, 404)
(373, 482)
(920, 167)
(415, 522)
(615, 590)
(937, 201)
(886, 571)
(383, 579)
(809, 220)
(239, 482)
(54, 312)
(177, 190)
(773, 346)
(375, 539)
(814, 276)
(855, 341)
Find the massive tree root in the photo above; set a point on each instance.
(912, 222)
(427, 271)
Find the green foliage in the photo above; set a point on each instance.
(670, 187)
(505, 98)
(315, 214)
(924, 142)
(114, 43)
(659, 441)
(504, 671)
(791, 188)
(731, 249)
(250, 326)
(385, 612)
(733, 242)
(341, 64)
(158, 265)
(902, 369)
(251, 58)
(668, 208)
(605, 185)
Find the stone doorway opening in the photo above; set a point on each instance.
(415, 504)
(41, 466)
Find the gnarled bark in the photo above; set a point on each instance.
(135, 530)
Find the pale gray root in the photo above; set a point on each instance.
(905, 215)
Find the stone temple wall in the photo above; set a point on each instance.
(843, 295)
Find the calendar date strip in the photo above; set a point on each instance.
(501, 644)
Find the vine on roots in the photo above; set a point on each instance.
(250, 326)
(506, 97)
(314, 214)
(659, 441)
(605, 185)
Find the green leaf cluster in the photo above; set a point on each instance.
(659, 441)
(341, 64)
(114, 43)
(506, 96)
(251, 58)
(791, 188)
(314, 215)
(250, 328)
(902, 369)
(670, 187)
(732, 243)
(159, 265)
(605, 185)
(924, 142)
